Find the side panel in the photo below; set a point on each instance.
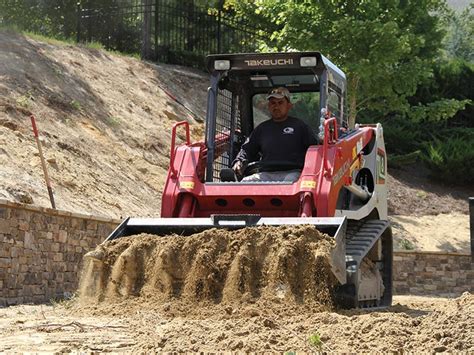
(375, 161)
(341, 158)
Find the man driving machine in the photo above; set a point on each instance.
(278, 144)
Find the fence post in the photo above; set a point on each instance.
(471, 222)
(79, 18)
(219, 34)
(146, 35)
(156, 32)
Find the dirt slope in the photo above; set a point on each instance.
(105, 122)
(428, 215)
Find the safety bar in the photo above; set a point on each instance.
(330, 137)
(327, 140)
(173, 142)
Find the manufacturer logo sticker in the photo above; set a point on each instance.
(340, 173)
(380, 166)
(269, 62)
(188, 185)
(309, 184)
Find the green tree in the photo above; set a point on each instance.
(459, 42)
(386, 47)
(50, 18)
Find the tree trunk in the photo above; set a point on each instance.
(353, 85)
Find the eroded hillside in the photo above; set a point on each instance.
(105, 122)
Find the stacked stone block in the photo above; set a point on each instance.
(41, 251)
(435, 273)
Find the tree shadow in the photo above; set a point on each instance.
(464, 246)
(402, 236)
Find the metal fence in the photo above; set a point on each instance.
(165, 31)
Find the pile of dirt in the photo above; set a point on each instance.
(413, 324)
(217, 266)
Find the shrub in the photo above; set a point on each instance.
(451, 160)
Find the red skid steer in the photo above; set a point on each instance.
(341, 189)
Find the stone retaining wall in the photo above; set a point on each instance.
(432, 273)
(41, 251)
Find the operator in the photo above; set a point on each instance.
(279, 141)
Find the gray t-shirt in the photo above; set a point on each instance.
(272, 141)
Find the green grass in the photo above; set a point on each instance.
(421, 194)
(315, 341)
(113, 121)
(61, 42)
(76, 105)
(25, 99)
(49, 40)
(405, 244)
(94, 45)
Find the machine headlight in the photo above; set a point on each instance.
(308, 61)
(222, 65)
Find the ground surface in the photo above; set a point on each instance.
(427, 215)
(105, 125)
(416, 324)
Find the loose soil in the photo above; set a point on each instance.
(286, 264)
(416, 324)
(427, 215)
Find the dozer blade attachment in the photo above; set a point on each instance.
(333, 226)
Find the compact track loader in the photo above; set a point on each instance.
(341, 190)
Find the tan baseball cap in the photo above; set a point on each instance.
(279, 93)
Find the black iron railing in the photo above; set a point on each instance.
(178, 33)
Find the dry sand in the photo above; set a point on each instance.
(286, 264)
(417, 324)
(444, 232)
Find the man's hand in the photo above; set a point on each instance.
(238, 168)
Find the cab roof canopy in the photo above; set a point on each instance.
(291, 63)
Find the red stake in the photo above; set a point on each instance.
(43, 163)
